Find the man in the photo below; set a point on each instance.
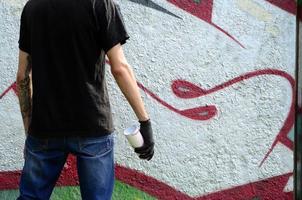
(62, 45)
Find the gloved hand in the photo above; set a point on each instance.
(147, 150)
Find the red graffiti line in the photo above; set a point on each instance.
(186, 90)
(203, 10)
(198, 113)
(269, 189)
(12, 87)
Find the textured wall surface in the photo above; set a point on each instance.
(217, 77)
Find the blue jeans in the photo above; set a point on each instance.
(45, 158)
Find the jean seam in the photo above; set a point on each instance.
(102, 152)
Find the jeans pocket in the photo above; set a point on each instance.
(35, 144)
(96, 146)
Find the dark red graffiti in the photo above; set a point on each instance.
(9, 180)
(187, 90)
(12, 87)
(203, 10)
(69, 174)
(269, 189)
(287, 5)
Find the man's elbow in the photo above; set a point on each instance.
(120, 70)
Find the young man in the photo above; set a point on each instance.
(63, 44)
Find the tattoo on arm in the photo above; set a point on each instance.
(24, 94)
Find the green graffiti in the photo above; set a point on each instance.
(197, 1)
(121, 191)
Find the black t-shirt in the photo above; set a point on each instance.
(67, 41)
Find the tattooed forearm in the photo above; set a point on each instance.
(24, 94)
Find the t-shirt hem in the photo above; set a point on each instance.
(71, 133)
(23, 48)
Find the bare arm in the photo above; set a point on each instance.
(24, 87)
(124, 76)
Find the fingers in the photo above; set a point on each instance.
(148, 156)
(145, 152)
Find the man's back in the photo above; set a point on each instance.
(69, 89)
(63, 43)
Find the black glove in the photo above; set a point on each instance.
(147, 150)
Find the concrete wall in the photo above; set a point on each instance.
(217, 77)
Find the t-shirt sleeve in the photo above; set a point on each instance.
(24, 38)
(112, 31)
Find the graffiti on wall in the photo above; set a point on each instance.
(270, 188)
(184, 89)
